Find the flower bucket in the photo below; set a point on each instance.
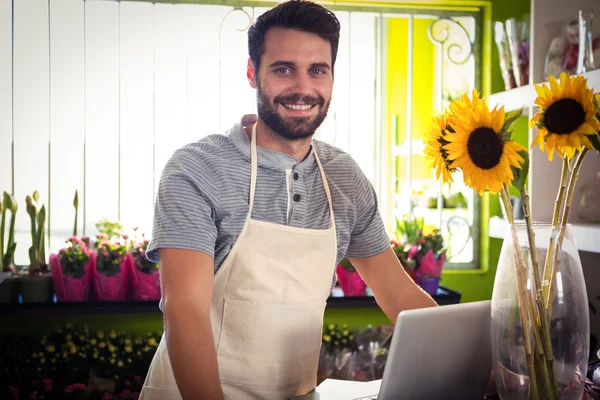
(68, 288)
(351, 282)
(146, 286)
(113, 287)
(9, 289)
(36, 289)
(430, 285)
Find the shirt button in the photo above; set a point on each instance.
(295, 176)
(296, 198)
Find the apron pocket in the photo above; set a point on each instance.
(270, 346)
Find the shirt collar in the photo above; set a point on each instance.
(267, 158)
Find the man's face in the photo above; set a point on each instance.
(294, 83)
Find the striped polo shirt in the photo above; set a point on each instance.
(202, 199)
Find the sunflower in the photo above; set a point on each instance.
(435, 151)
(479, 147)
(566, 117)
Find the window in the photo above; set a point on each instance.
(95, 96)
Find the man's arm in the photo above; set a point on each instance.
(187, 288)
(394, 290)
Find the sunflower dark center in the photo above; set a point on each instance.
(485, 148)
(564, 116)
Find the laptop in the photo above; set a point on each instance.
(438, 352)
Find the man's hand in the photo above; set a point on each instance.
(187, 288)
(394, 290)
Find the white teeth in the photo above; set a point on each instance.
(303, 107)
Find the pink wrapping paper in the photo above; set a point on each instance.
(113, 288)
(68, 288)
(429, 266)
(351, 282)
(146, 286)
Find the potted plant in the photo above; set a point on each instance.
(421, 251)
(9, 292)
(146, 274)
(36, 285)
(72, 270)
(113, 266)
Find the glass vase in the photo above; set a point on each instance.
(516, 323)
(585, 59)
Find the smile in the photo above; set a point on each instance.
(298, 107)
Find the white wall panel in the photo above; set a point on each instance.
(137, 131)
(66, 117)
(170, 84)
(102, 112)
(31, 113)
(5, 96)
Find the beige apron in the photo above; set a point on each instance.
(267, 309)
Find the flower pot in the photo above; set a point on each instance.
(69, 288)
(351, 282)
(36, 289)
(515, 334)
(146, 286)
(9, 289)
(113, 287)
(430, 285)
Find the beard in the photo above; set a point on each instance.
(292, 128)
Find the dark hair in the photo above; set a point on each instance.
(301, 15)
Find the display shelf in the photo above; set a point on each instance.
(524, 96)
(444, 296)
(587, 236)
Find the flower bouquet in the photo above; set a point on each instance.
(113, 268)
(72, 270)
(421, 251)
(540, 316)
(146, 274)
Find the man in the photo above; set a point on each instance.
(250, 225)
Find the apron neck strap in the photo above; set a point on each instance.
(254, 172)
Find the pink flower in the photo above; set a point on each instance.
(127, 383)
(137, 378)
(69, 389)
(125, 237)
(413, 252)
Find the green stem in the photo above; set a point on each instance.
(75, 225)
(2, 227)
(563, 227)
(525, 304)
(549, 380)
(11, 229)
(558, 205)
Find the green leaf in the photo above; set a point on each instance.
(509, 119)
(76, 200)
(521, 173)
(595, 139)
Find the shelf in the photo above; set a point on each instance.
(587, 236)
(444, 296)
(524, 96)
